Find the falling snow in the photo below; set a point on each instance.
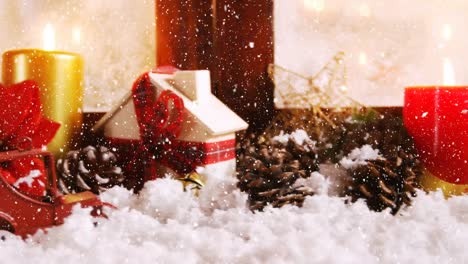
(388, 46)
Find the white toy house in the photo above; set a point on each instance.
(208, 123)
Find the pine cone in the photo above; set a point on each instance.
(267, 172)
(386, 183)
(382, 131)
(89, 169)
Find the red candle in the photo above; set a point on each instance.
(437, 118)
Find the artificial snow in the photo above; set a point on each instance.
(317, 181)
(166, 225)
(299, 136)
(29, 179)
(360, 156)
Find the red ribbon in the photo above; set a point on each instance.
(21, 117)
(160, 124)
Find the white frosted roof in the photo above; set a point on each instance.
(211, 112)
(214, 115)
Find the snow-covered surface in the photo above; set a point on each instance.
(165, 225)
(360, 156)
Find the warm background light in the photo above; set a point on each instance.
(404, 41)
(316, 5)
(364, 10)
(389, 44)
(115, 37)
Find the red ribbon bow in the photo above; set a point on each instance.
(21, 117)
(160, 124)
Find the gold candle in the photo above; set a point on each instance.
(60, 78)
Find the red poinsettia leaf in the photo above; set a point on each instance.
(40, 136)
(15, 102)
(30, 123)
(44, 132)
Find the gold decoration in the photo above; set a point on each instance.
(192, 181)
(311, 101)
(326, 89)
(431, 183)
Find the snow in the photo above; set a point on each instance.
(282, 138)
(29, 179)
(165, 225)
(360, 156)
(299, 136)
(318, 182)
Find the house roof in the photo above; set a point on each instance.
(215, 116)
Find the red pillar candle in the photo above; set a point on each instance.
(437, 119)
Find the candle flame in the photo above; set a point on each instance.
(76, 34)
(317, 5)
(449, 73)
(49, 37)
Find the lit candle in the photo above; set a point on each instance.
(59, 75)
(437, 118)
